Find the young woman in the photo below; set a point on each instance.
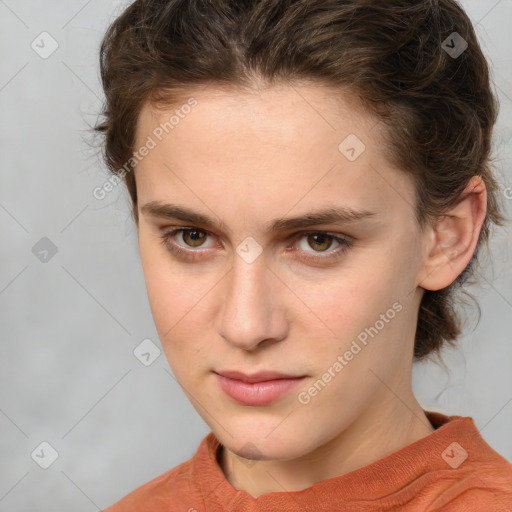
(311, 183)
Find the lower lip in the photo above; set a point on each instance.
(257, 393)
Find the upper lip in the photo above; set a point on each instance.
(260, 376)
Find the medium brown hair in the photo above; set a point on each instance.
(438, 110)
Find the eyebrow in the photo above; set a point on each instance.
(325, 216)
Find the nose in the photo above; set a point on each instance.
(253, 313)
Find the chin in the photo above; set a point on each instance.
(266, 442)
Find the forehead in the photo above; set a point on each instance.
(274, 110)
(283, 145)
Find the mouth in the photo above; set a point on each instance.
(261, 376)
(257, 389)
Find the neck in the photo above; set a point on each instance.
(384, 428)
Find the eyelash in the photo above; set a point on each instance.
(333, 255)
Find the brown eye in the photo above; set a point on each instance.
(193, 237)
(317, 246)
(311, 245)
(321, 240)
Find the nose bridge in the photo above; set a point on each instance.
(250, 313)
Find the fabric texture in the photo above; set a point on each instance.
(451, 470)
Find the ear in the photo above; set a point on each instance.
(451, 241)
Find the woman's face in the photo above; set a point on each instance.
(331, 300)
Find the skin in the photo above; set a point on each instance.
(246, 159)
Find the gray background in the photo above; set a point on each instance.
(69, 325)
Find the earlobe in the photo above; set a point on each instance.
(453, 238)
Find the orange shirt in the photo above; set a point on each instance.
(451, 470)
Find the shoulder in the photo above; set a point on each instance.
(175, 486)
(476, 477)
(155, 494)
(486, 488)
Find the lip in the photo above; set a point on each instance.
(261, 376)
(260, 388)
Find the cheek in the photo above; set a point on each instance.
(177, 300)
(162, 284)
(359, 312)
(347, 300)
